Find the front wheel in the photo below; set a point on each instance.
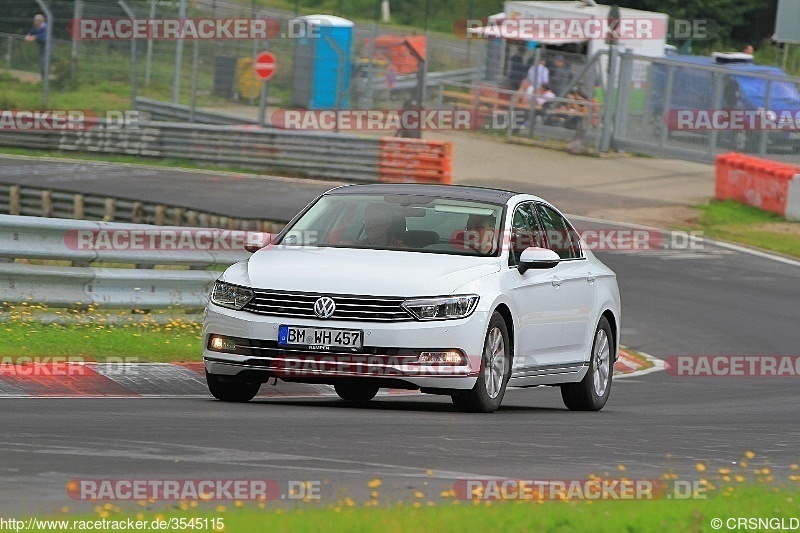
(355, 392)
(228, 389)
(591, 394)
(489, 389)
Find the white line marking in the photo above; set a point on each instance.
(700, 240)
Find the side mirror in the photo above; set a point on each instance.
(254, 241)
(537, 258)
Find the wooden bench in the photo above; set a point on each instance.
(469, 100)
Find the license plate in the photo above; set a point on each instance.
(320, 338)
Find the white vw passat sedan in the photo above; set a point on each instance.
(452, 290)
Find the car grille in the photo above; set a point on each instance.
(348, 306)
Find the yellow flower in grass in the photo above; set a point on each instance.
(374, 483)
(700, 467)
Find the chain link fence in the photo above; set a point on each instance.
(634, 108)
(219, 73)
(692, 108)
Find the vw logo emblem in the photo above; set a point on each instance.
(324, 307)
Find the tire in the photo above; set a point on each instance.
(228, 389)
(487, 394)
(355, 392)
(591, 394)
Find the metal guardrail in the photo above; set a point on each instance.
(312, 154)
(41, 202)
(105, 287)
(34, 238)
(432, 79)
(169, 112)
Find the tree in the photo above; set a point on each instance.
(725, 15)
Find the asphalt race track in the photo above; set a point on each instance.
(708, 300)
(269, 197)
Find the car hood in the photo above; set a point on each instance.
(356, 271)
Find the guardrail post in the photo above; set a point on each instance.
(191, 218)
(13, 200)
(136, 212)
(214, 221)
(177, 215)
(110, 209)
(161, 214)
(203, 218)
(47, 203)
(78, 207)
(223, 222)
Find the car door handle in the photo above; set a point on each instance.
(591, 277)
(557, 282)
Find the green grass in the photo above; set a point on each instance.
(732, 221)
(97, 336)
(762, 501)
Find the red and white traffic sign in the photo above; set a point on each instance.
(265, 65)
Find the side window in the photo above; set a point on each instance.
(561, 238)
(525, 232)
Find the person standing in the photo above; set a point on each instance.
(540, 73)
(38, 34)
(516, 69)
(560, 76)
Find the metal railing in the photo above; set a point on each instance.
(37, 239)
(40, 202)
(169, 112)
(311, 154)
(563, 119)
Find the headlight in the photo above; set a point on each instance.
(442, 308)
(231, 296)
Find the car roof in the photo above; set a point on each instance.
(455, 192)
(750, 68)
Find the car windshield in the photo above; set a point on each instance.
(405, 222)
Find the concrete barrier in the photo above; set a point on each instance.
(768, 185)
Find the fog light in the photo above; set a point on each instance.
(222, 344)
(450, 357)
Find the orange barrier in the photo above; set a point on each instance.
(754, 181)
(391, 48)
(415, 161)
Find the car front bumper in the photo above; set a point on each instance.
(389, 354)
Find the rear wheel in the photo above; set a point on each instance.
(489, 389)
(230, 389)
(355, 392)
(592, 393)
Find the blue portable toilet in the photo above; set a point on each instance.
(322, 62)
